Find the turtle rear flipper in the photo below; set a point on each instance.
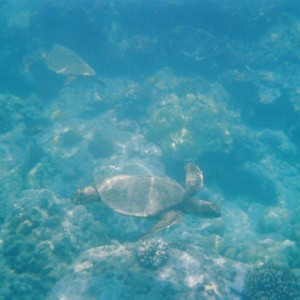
(203, 209)
(167, 220)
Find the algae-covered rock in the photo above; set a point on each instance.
(117, 272)
(190, 120)
(40, 238)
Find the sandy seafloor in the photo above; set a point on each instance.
(91, 89)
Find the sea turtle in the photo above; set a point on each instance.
(150, 196)
(64, 61)
(61, 60)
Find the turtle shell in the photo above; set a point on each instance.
(140, 196)
(64, 61)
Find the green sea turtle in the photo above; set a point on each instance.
(150, 196)
(61, 60)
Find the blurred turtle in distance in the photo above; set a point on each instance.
(61, 60)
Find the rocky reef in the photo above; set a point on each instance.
(271, 282)
(116, 271)
(41, 237)
(171, 81)
(191, 118)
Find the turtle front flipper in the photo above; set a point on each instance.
(193, 179)
(167, 220)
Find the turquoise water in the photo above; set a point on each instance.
(95, 89)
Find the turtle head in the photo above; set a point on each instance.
(193, 184)
(86, 195)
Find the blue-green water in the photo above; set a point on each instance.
(93, 89)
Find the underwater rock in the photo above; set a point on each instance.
(254, 251)
(244, 241)
(275, 219)
(278, 142)
(41, 237)
(255, 183)
(271, 282)
(14, 155)
(188, 124)
(81, 98)
(268, 95)
(116, 272)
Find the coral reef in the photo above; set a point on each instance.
(197, 90)
(271, 282)
(152, 253)
(190, 120)
(41, 237)
(275, 219)
(113, 272)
